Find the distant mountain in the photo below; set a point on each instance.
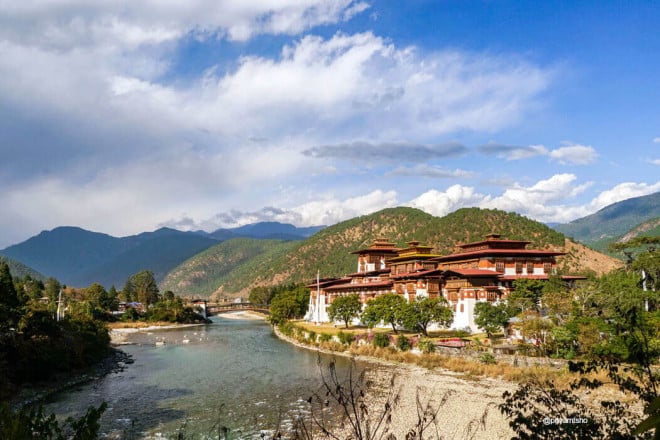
(600, 229)
(232, 269)
(78, 257)
(267, 230)
(19, 270)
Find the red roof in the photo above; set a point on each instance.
(500, 252)
(418, 273)
(474, 272)
(347, 286)
(369, 273)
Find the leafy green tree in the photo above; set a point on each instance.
(260, 296)
(384, 308)
(526, 294)
(490, 317)
(345, 308)
(111, 301)
(418, 315)
(288, 303)
(168, 295)
(52, 289)
(142, 287)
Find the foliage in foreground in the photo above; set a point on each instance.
(32, 423)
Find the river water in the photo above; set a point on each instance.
(232, 373)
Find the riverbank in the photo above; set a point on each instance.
(466, 408)
(119, 332)
(243, 314)
(32, 394)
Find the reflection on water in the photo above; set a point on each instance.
(232, 373)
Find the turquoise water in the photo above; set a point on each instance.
(232, 373)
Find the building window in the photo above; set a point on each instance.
(499, 266)
(519, 267)
(530, 267)
(547, 267)
(462, 308)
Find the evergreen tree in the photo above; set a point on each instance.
(52, 289)
(146, 289)
(9, 301)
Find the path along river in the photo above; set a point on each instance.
(232, 373)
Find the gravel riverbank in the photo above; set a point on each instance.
(465, 408)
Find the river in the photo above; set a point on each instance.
(232, 373)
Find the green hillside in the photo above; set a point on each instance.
(225, 267)
(329, 249)
(600, 229)
(19, 270)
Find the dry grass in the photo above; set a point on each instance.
(332, 330)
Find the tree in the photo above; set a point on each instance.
(52, 289)
(260, 296)
(9, 301)
(384, 308)
(289, 302)
(112, 302)
(142, 287)
(526, 294)
(345, 308)
(418, 315)
(490, 317)
(619, 337)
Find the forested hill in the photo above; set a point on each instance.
(78, 257)
(329, 249)
(598, 230)
(20, 270)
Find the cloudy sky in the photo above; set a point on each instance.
(123, 116)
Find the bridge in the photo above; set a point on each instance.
(217, 308)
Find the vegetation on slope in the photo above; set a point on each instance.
(228, 266)
(21, 270)
(605, 226)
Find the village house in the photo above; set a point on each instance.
(479, 271)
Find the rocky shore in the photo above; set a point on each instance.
(114, 362)
(464, 408)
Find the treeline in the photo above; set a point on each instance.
(285, 301)
(33, 345)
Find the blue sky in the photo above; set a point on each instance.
(126, 116)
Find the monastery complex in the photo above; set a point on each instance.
(479, 271)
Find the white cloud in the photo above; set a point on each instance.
(574, 154)
(425, 170)
(657, 140)
(623, 191)
(440, 203)
(568, 154)
(654, 161)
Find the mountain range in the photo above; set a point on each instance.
(78, 257)
(615, 222)
(230, 261)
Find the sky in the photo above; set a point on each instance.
(125, 116)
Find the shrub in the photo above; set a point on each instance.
(311, 335)
(487, 358)
(324, 337)
(426, 345)
(286, 328)
(381, 340)
(345, 338)
(402, 343)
